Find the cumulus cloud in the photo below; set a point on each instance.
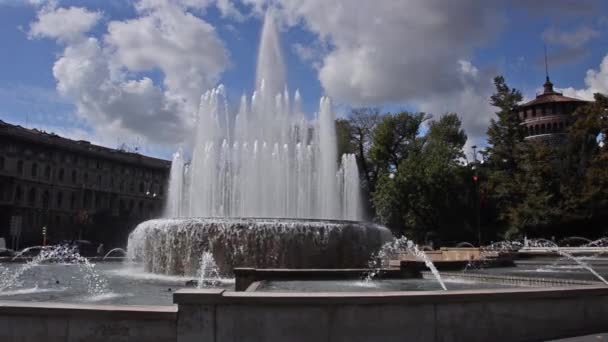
(105, 77)
(571, 44)
(393, 51)
(400, 52)
(596, 81)
(65, 24)
(471, 102)
(572, 39)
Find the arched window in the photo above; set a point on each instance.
(34, 170)
(47, 172)
(88, 199)
(99, 181)
(59, 199)
(141, 187)
(542, 129)
(45, 199)
(561, 125)
(534, 111)
(536, 130)
(1, 163)
(31, 197)
(61, 174)
(20, 167)
(86, 178)
(74, 176)
(141, 207)
(73, 201)
(18, 194)
(555, 127)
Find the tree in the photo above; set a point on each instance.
(429, 192)
(505, 140)
(584, 174)
(362, 123)
(505, 133)
(344, 137)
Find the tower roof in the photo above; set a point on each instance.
(549, 95)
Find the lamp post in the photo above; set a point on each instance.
(477, 197)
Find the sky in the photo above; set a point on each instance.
(131, 72)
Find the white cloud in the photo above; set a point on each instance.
(105, 77)
(471, 103)
(401, 52)
(571, 39)
(596, 81)
(393, 51)
(65, 24)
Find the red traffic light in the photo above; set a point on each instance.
(475, 179)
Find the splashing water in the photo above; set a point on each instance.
(508, 246)
(96, 284)
(582, 264)
(267, 159)
(124, 253)
(393, 250)
(208, 274)
(25, 250)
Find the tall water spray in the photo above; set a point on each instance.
(260, 187)
(267, 160)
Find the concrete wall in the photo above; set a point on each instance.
(27, 321)
(483, 315)
(219, 316)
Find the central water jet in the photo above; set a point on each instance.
(267, 160)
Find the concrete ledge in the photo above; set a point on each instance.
(517, 280)
(190, 296)
(143, 312)
(28, 321)
(530, 314)
(244, 277)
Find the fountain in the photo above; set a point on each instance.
(96, 285)
(263, 188)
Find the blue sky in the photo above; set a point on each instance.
(415, 55)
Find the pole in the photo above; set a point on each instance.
(44, 236)
(477, 196)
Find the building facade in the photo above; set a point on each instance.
(75, 189)
(548, 116)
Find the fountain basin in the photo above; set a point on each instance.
(174, 246)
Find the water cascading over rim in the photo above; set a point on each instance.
(266, 161)
(175, 246)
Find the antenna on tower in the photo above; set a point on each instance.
(546, 64)
(548, 86)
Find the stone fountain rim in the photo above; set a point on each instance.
(266, 219)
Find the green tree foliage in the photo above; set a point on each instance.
(417, 184)
(505, 139)
(541, 189)
(344, 137)
(585, 169)
(362, 123)
(425, 191)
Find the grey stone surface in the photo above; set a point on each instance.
(212, 315)
(261, 323)
(354, 323)
(196, 323)
(91, 323)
